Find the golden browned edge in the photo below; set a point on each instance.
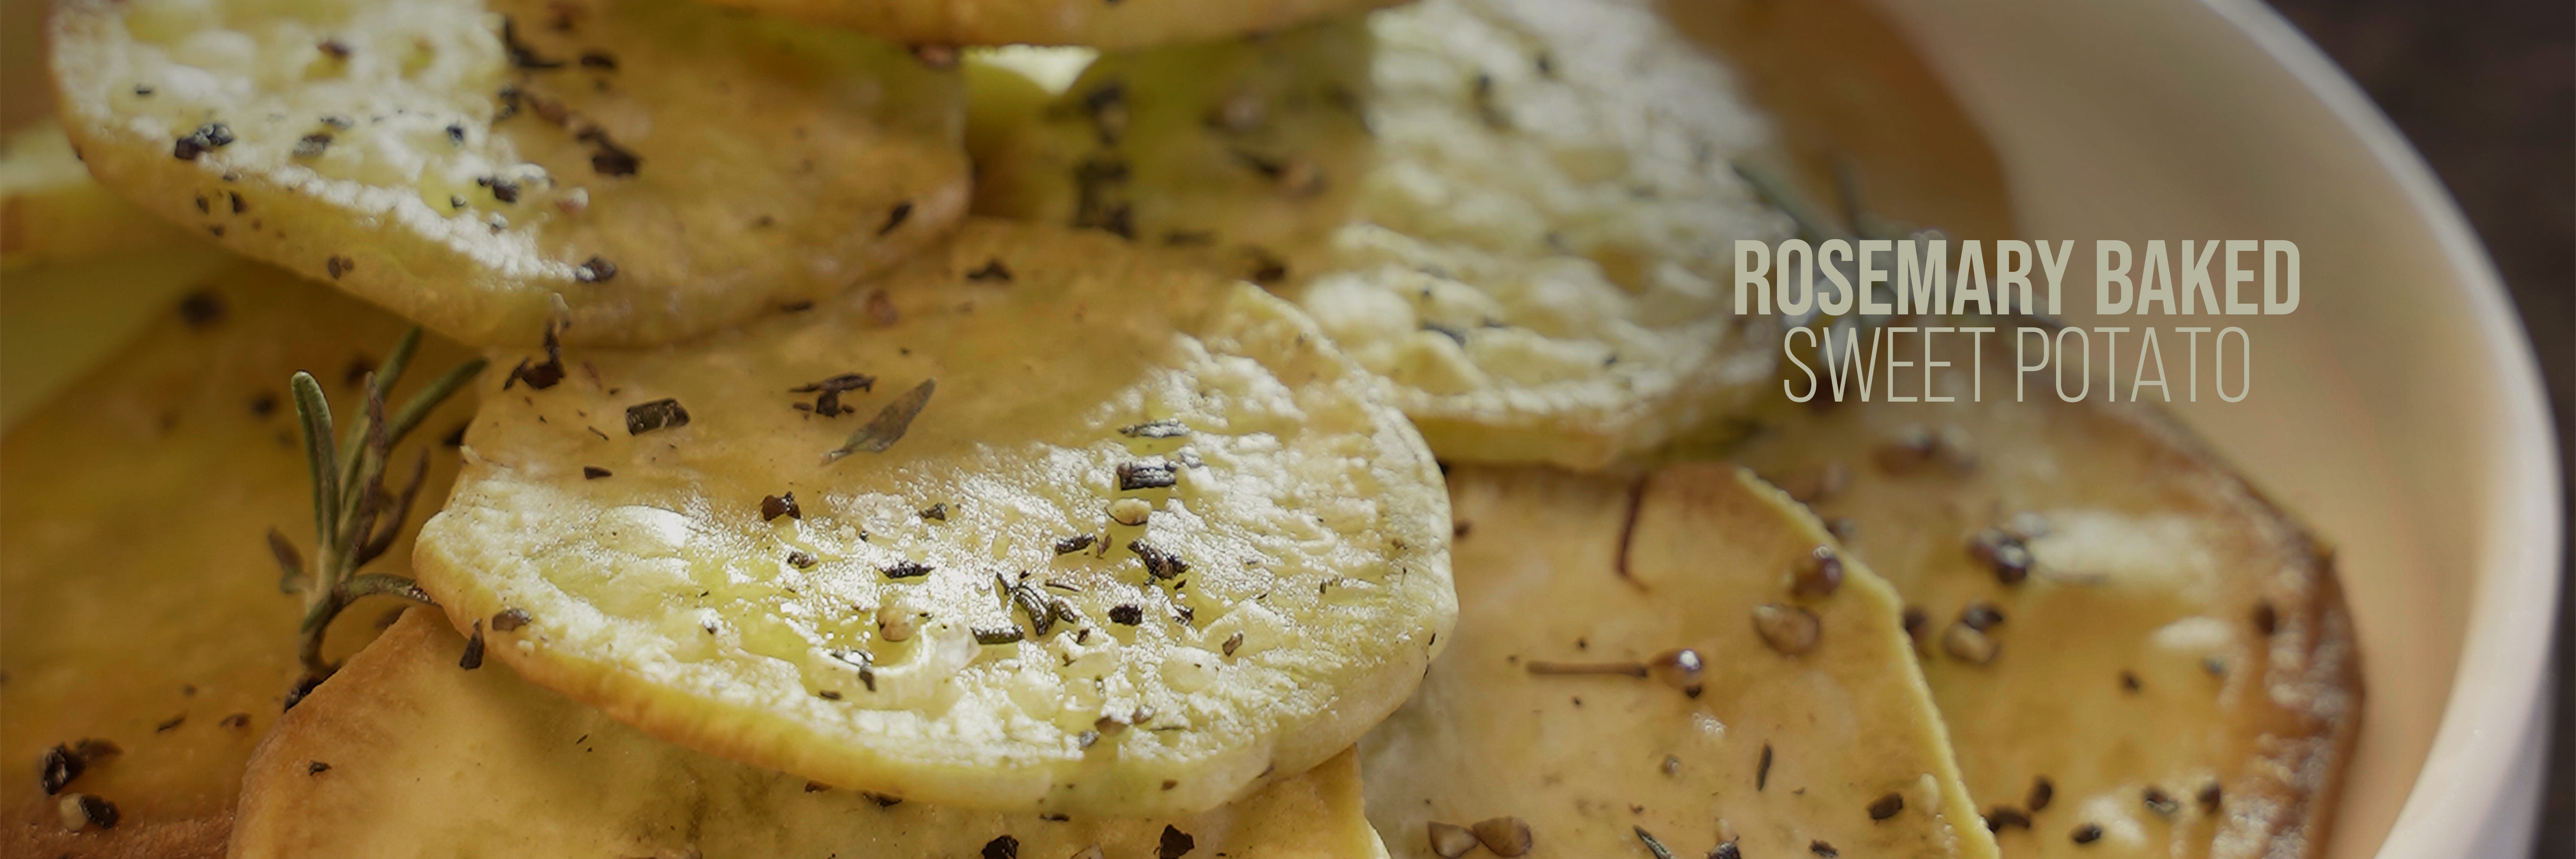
(275, 774)
(596, 684)
(2330, 687)
(32, 835)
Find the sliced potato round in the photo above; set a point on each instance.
(521, 771)
(1092, 23)
(139, 605)
(52, 213)
(666, 168)
(1564, 702)
(1042, 524)
(1517, 210)
(2165, 650)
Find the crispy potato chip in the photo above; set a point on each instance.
(520, 771)
(1796, 726)
(1044, 523)
(667, 168)
(1520, 211)
(138, 598)
(1092, 23)
(2166, 651)
(52, 213)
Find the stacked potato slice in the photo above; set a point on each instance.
(801, 513)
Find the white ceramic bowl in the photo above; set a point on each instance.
(2399, 410)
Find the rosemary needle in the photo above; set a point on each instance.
(355, 520)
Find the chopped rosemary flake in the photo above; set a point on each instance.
(1075, 543)
(889, 425)
(1158, 563)
(1613, 669)
(1820, 848)
(1233, 643)
(1981, 615)
(1126, 614)
(665, 413)
(1043, 610)
(1653, 845)
(509, 620)
(2002, 552)
(906, 570)
(59, 768)
(1145, 475)
(1762, 770)
(81, 811)
(520, 54)
(1886, 806)
(1726, 850)
(610, 160)
(2160, 802)
(2087, 833)
(895, 217)
(2210, 799)
(774, 506)
(1000, 636)
(2003, 816)
(1004, 847)
(92, 750)
(593, 472)
(2041, 791)
(1174, 843)
(596, 269)
(935, 513)
(801, 560)
(207, 138)
(827, 400)
(473, 657)
(993, 270)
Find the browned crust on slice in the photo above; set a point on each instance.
(2313, 669)
(32, 831)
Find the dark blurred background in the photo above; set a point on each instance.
(2486, 89)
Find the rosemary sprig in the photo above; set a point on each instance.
(355, 519)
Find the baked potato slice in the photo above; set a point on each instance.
(1042, 523)
(403, 754)
(1518, 211)
(139, 603)
(2166, 666)
(664, 167)
(1796, 726)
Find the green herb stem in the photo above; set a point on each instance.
(355, 519)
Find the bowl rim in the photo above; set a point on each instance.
(2499, 692)
(2476, 792)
